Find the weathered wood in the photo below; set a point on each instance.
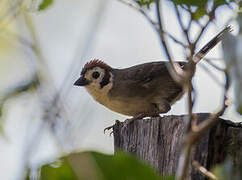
(158, 142)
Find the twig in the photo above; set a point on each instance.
(153, 23)
(203, 170)
(175, 40)
(213, 76)
(172, 66)
(185, 30)
(193, 136)
(213, 65)
(190, 106)
(211, 16)
(174, 69)
(201, 31)
(43, 72)
(162, 37)
(138, 8)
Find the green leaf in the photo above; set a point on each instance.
(219, 2)
(61, 172)
(223, 171)
(199, 13)
(45, 4)
(239, 109)
(94, 165)
(199, 4)
(201, 7)
(130, 166)
(145, 2)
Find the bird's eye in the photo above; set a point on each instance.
(95, 75)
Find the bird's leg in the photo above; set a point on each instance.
(110, 127)
(139, 116)
(161, 107)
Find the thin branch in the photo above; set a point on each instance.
(42, 72)
(153, 23)
(185, 30)
(213, 65)
(190, 106)
(202, 31)
(213, 76)
(12, 11)
(174, 68)
(193, 136)
(138, 8)
(162, 37)
(203, 170)
(175, 40)
(211, 16)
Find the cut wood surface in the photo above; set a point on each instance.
(158, 141)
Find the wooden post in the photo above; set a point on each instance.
(158, 141)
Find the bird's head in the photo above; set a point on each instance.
(95, 75)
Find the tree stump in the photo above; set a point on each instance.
(158, 141)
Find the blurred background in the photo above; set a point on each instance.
(41, 55)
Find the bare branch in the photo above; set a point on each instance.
(213, 65)
(211, 17)
(203, 170)
(185, 30)
(176, 40)
(161, 30)
(138, 8)
(202, 31)
(190, 106)
(216, 80)
(193, 136)
(174, 68)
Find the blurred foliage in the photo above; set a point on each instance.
(145, 2)
(226, 171)
(13, 91)
(7, 26)
(55, 171)
(233, 45)
(223, 171)
(197, 8)
(98, 166)
(45, 4)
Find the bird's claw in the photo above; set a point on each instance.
(110, 127)
(107, 129)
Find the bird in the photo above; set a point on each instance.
(144, 90)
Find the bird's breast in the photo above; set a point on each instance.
(126, 106)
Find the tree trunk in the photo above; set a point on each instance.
(158, 141)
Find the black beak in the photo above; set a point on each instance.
(81, 81)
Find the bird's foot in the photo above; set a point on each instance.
(128, 121)
(125, 124)
(137, 117)
(110, 127)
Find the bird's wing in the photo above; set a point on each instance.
(141, 80)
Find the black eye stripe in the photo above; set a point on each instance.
(95, 75)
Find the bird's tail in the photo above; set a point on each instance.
(198, 56)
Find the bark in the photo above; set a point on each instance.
(158, 141)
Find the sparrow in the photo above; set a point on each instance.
(144, 90)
